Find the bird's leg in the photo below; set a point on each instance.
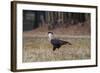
(54, 48)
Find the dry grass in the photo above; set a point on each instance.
(38, 49)
(70, 30)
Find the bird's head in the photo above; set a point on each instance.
(50, 35)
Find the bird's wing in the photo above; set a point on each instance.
(62, 42)
(57, 41)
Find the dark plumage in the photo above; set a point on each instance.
(56, 42)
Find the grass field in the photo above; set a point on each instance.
(39, 49)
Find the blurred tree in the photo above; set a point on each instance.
(52, 19)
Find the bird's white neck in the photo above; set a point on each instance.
(50, 36)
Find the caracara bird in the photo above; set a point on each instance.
(57, 43)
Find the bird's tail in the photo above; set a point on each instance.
(65, 42)
(69, 43)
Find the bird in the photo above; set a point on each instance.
(57, 43)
